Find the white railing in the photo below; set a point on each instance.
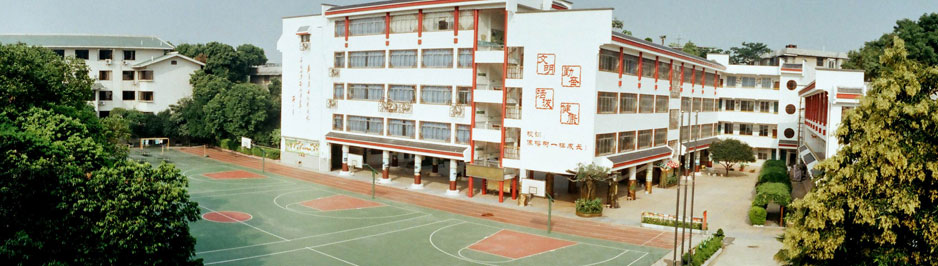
(513, 112)
(512, 152)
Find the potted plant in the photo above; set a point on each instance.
(589, 208)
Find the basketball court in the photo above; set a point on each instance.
(255, 218)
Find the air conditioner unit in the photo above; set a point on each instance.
(107, 62)
(100, 103)
(333, 72)
(125, 62)
(304, 46)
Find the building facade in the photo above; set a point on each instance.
(130, 72)
(501, 90)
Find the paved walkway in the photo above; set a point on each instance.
(599, 230)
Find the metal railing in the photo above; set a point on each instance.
(512, 152)
(513, 112)
(515, 72)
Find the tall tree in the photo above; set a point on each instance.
(31, 77)
(223, 60)
(238, 112)
(730, 152)
(921, 41)
(749, 53)
(877, 200)
(252, 55)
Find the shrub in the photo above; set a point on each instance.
(671, 223)
(273, 154)
(774, 175)
(772, 192)
(705, 250)
(719, 233)
(757, 215)
(224, 143)
(589, 206)
(774, 163)
(257, 151)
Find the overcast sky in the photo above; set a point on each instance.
(828, 25)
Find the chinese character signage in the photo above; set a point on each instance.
(570, 113)
(302, 146)
(570, 76)
(544, 98)
(534, 140)
(546, 64)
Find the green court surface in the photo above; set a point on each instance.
(296, 222)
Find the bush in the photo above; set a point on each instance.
(256, 151)
(671, 223)
(774, 163)
(273, 154)
(586, 206)
(705, 250)
(224, 143)
(772, 192)
(757, 215)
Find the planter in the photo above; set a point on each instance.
(589, 215)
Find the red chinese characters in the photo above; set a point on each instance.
(570, 113)
(546, 64)
(570, 76)
(544, 98)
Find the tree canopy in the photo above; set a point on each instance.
(223, 60)
(877, 199)
(69, 195)
(731, 151)
(921, 42)
(749, 53)
(691, 48)
(618, 25)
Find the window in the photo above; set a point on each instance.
(606, 103)
(630, 65)
(648, 68)
(304, 38)
(646, 103)
(688, 75)
(728, 128)
(763, 155)
(746, 106)
(146, 96)
(404, 58)
(644, 139)
(465, 20)
(675, 118)
(790, 109)
(464, 95)
(707, 105)
(81, 54)
(337, 122)
(404, 23)
(438, 21)
(438, 58)
(763, 130)
(104, 75)
(173, 62)
(146, 74)
(685, 104)
(130, 55)
(820, 61)
(605, 144)
(105, 54)
(626, 141)
(128, 75)
(764, 107)
(748, 82)
(369, 92)
(628, 103)
(369, 125)
(434, 131)
(339, 28)
(465, 58)
(59, 52)
(103, 114)
(436, 95)
(731, 81)
(663, 68)
(608, 60)
(661, 137)
(745, 129)
(105, 96)
(401, 93)
(339, 59)
(369, 59)
(338, 91)
(766, 83)
(366, 26)
(697, 104)
(462, 132)
(730, 104)
(661, 104)
(709, 79)
(401, 128)
(789, 133)
(685, 132)
(706, 130)
(129, 95)
(775, 107)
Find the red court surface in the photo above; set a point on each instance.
(237, 174)
(226, 217)
(338, 203)
(512, 244)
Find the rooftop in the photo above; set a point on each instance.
(805, 52)
(87, 41)
(666, 48)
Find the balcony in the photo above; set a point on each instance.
(515, 72)
(512, 152)
(513, 112)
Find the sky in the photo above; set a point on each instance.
(835, 25)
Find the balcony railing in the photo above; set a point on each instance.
(515, 72)
(513, 112)
(512, 152)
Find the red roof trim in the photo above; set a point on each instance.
(788, 145)
(394, 146)
(642, 159)
(791, 69)
(673, 54)
(390, 6)
(806, 89)
(302, 33)
(558, 7)
(848, 96)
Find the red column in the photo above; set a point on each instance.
(387, 28)
(472, 122)
(514, 188)
(682, 77)
(621, 66)
(640, 69)
(501, 145)
(693, 78)
(452, 185)
(501, 191)
(656, 72)
(671, 74)
(385, 173)
(485, 186)
(469, 191)
(456, 25)
(419, 26)
(346, 32)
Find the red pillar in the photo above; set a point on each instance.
(385, 173)
(514, 189)
(501, 191)
(452, 185)
(469, 191)
(485, 186)
(416, 179)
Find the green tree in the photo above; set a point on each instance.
(38, 77)
(730, 152)
(921, 42)
(618, 25)
(749, 53)
(690, 48)
(587, 175)
(222, 59)
(252, 55)
(876, 201)
(238, 112)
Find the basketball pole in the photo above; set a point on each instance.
(550, 206)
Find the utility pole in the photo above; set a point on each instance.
(688, 158)
(677, 201)
(693, 186)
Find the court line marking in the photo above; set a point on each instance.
(585, 243)
(320, 252)
(487, 261)
(430, 238)
(327, 244)
(241, 222)
(653, 238)
(286, 207)
(311, 236)
(231, 192)
(639, 258)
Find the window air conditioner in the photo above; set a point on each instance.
(304, 46)
(333, 72)
(107, 62)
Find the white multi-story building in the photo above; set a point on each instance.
(504, 89)
(130, 72)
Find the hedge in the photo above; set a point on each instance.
(224, 143)
(704, 250)
(757, 215)
(774, 175)
(774, 163)
(772, 192)
(671, 223)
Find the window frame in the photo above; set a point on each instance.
(605, 96)
(643, 109)
(143, 76)
(661, 107)
(423, 87)
(104, 73)
(449, 128)
(602, 140)
(132, 53)
(109, 52)
(623, 103)
(335, 60)
(423, 57)
(132, 75)
(621, 141)
(132, 95)
(341, 122)
(413, 128)
(391, 55)
(413, 93)
(143, 99)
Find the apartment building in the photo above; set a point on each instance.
(502, 90)
(130, 72)
(792, 54)
(825, 101)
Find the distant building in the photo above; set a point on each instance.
(263, 74)
(792, 54)
(130, 72)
